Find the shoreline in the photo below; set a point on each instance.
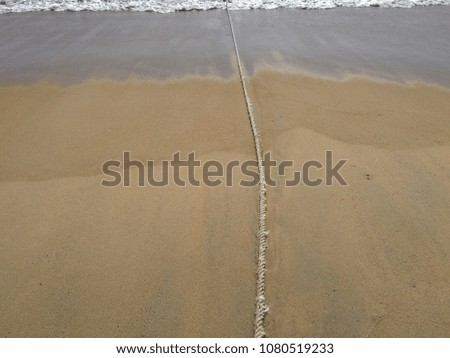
(193, 5)
(370, 258)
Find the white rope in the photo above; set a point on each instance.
(261, 306)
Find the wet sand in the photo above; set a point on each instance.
(370, 258)
(396, 44)
(68, 47)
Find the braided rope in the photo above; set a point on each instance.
(261, 308)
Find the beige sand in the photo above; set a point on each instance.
(373, 258)
(81, 260)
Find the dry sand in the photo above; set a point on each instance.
(372, 258)
(81, 260)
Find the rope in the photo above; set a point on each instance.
(261, 308)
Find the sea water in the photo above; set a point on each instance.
(166, 6)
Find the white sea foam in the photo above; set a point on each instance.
(165, 6)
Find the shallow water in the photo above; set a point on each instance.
(67, 47)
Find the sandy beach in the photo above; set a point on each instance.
(369, 259)
(82, 260)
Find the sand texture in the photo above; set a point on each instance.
(371, 258)
(81, 260)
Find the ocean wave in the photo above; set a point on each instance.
(167, 6)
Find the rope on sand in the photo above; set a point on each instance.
(261, 306)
